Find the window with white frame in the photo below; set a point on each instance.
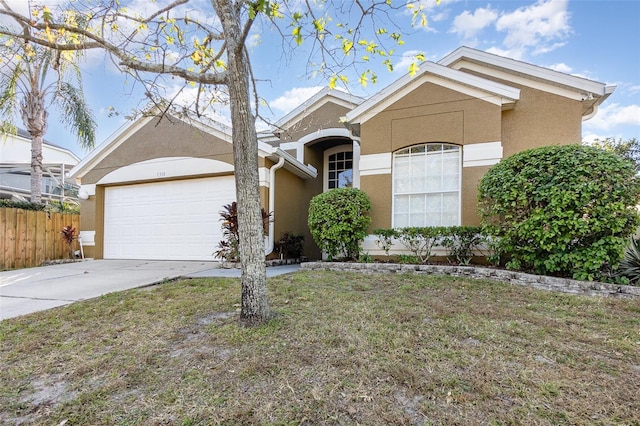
(426, 185)
(339, 167)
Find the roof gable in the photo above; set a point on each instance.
(126, 131)
(592, 93)
(315, 102)
(211, 127)
(488, 90)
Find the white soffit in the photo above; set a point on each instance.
(164, 168)
(341, 132)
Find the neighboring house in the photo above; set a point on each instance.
(418, 148)
(15, 170)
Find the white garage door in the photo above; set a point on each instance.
(176, 220)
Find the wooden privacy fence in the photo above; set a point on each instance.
(29, 238)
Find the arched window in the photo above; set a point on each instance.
(426, 185)
(338, 167)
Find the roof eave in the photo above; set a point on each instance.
(507, 93)
(293, 165)
(299, 111)
(557, 77)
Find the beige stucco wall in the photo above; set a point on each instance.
(540, 119)
(162, 138)
(292, 199)
(435, 114)
(378, 188)
(430, 113)
(325, 117)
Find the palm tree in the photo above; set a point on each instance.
(36, 79)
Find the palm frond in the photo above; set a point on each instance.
(9, 97)
(76, 114)
(630, 265)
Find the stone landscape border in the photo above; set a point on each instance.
(564, 285)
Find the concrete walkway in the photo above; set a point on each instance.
(24, 291)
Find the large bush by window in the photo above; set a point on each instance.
(338, 221)
(426, 186)
(561, 210)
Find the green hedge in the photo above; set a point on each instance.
(460, 241)
(561, 210)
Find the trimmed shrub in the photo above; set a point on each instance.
(462, 241)
(385, 238)
(24, 205)
(420, 241)
(338, 221)
(561, 210)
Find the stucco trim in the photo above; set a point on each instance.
(333, 132)
(265, 181)
(375, 164)
(89, 189)
(487, 90)
(88, 238)
(165, 167)
(482, 154)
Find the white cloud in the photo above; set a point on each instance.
(468, 25)
(547, 48)
(293, 98)
(408, 58)
(435, 12)
(561, 67)
(515, 53)
(437, 17)
(589, 138)
(541, 27)
(22, 7)
(634, 89)
(613, 115)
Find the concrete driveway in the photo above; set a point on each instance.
(24, 291)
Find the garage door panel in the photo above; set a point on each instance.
(166, 220)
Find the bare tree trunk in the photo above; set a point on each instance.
(255, 304)
(34, 116)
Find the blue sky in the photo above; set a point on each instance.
(599, 40)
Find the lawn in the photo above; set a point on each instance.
(344, 349)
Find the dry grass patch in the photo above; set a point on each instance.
(345, 349)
